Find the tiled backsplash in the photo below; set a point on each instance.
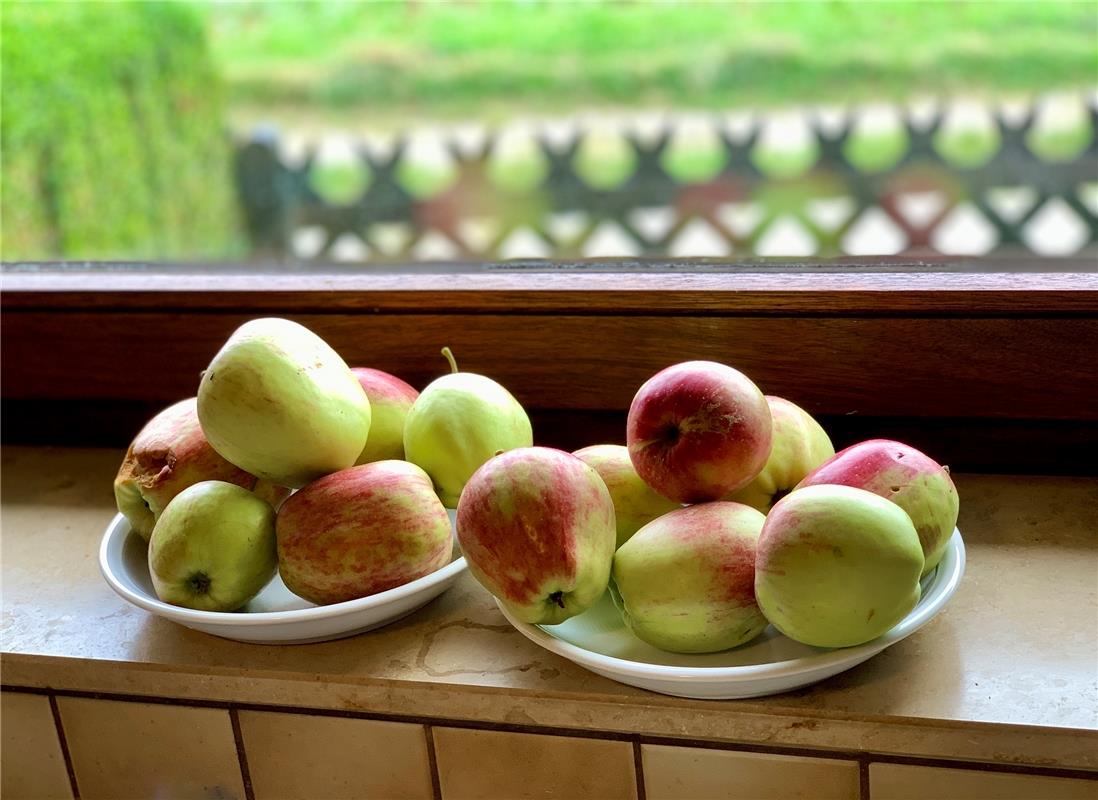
(127, 749)
(30, 751)
(673, 773)
(483, 764)
(305, 757)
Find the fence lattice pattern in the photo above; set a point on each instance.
(834, 204)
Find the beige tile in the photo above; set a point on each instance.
(303, 757)
(127, 751)
(31, 764)
(492, 765)
(902, 782)
(698, 774)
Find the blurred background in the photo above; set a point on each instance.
(359, 133)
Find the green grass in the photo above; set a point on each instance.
(112, 129)
(489, 59)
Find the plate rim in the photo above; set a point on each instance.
(119, 529)
(943, 588)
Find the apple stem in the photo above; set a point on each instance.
(450, 357)
(558, 598)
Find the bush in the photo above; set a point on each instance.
(112, 134)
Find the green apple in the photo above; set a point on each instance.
(685, 582)
(798, 446)
(536, 526)
(213, 547)
(837, 566)
(457, 423)
(390, 401)
(280, 403)
(635, 502)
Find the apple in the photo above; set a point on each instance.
(390, 400)
(361, 531)
(169, 454)
(213, 548)
(898, 472)
(536, 526)
(278, 402)
(635, 502)
(457, 423)
(686, 581)
(798, 445)
(837, 566)
(698, 430)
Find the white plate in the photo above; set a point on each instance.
(598, 640)
(275, 615)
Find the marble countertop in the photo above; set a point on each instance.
(1007, 673)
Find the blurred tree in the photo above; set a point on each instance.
(112, 136)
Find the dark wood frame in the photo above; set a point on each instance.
(991, 370)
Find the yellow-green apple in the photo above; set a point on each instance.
(169, 454)
(686, 581)
(390, 400)
(635, 502)
(799, 444)
(837, 566)
(698, 430)
(457, 423)
(213, 547)
(536, 526)
(280, 403)
(898, 472)
(361, 531)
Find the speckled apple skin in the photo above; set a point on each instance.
(837, 566)
(390, 401)
(686, 581)
(698, 430)
(799, 444)
(635, 502)
(912, 480)
(361, 531)
(278, 401)
(220, 531)
(168, 455)
(534, 522)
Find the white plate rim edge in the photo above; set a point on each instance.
(943, 589)
(118, 528)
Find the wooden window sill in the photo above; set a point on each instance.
(990, 369)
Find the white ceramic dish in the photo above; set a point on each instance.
(599, 641)
(275, 615)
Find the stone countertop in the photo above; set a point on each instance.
(1007, 673)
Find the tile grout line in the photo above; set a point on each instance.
(432, 761)
(863, 778)
(638, 769)
(65, 754)
(241, 754)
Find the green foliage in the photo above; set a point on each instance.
(112, 134)
(476, 59)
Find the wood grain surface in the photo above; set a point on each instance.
(933, 354)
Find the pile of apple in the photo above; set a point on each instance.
(727, 510)
(289, 460)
